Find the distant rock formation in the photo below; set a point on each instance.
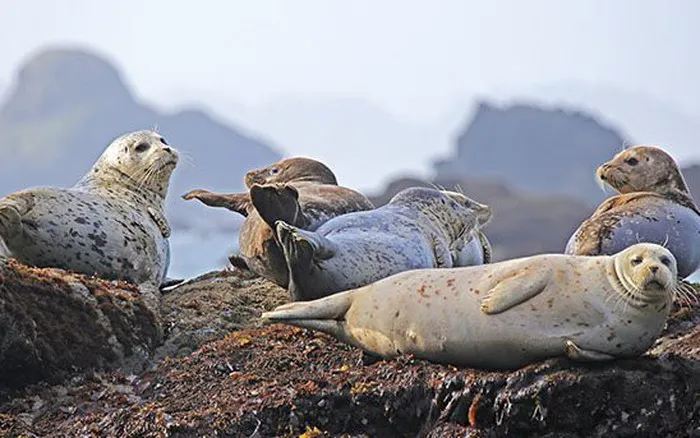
(537, 150)
(66, 105)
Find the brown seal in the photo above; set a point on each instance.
(654, 205)
(300, 191)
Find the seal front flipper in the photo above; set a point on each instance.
(278, 202)
(514, 290)
(574, 352)
(236, 202)
(161, 221)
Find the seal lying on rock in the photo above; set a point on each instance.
(654, 205)
(110, 224)
(418, 228)
(301, 191)
(507, 314)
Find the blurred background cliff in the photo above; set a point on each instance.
(515, 102)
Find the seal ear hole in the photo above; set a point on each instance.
(142, 147)
(632, 161)
(274, 170)
(637, 260)
(665, 261)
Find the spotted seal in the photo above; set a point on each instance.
(654, 205)
(506, 314)
(418, 228)
(111, 223)
(300, 191)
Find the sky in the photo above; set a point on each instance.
(413, 58)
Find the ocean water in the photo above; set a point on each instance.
(196, 253)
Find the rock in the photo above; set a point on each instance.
(284, 381)
(54, 323)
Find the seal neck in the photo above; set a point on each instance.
(115, 181)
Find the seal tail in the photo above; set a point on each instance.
(301, 250)
(278, 202)
(326, 315)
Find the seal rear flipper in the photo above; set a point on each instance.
(236, 202)
(301, 249)
(10, 219)
(574, 352)
(511, 291)
(278, 202)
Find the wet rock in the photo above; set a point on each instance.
(54, 324)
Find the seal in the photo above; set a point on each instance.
(475, 248)
(110, 224)
(418, 228)
(653, 205)
(507, 314)
(300, 191)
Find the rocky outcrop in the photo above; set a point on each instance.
(54, 324)
(67, 104)
(220, 373)
(538, 150)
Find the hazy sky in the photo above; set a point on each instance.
(412, 57)
(416, 59)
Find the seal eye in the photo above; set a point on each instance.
(274, 171)
(142, 147)
(162, 140)
(665, 261)
(636, 261)
(632, 161)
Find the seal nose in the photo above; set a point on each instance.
(168, 149)
(654, 269)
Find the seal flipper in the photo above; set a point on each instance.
(10, 219)
(574, 352)
(236, 202)
(326, 315)
(301, 250)
(278, 202)
(511, 291)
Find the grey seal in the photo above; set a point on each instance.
(111, 223)
(418, 228)
(505, 315)
(654, 205)
(300, 191)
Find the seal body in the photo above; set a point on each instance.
(506, 314)
(654, 205)
(300, 191)
(110, 224)
(418, 228)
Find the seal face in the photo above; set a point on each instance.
(299, 191)
(507, 314)
(110, 224)
(654, 205)
(418, 228)
(474, 248)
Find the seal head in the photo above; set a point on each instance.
(291, 170)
